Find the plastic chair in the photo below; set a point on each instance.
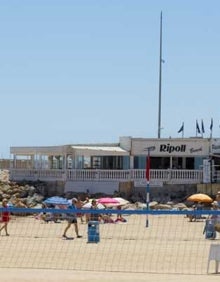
(214, 254)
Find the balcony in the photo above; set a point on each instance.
(157, 176)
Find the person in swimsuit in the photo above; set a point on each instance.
(5, 217)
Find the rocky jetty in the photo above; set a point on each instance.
(17, 194)
(32, 194)
(4, 175)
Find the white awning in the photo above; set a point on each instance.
(88, 151)
(41, 150)
(78, 150)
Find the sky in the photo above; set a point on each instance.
(87, 71)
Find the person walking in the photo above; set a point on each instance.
(5, 216)
(94, 216)
(72, 219)
(79, 205)
(217, 198)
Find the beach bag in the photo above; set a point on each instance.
(209, 229)
(217, 227)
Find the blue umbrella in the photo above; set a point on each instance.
(57, 201)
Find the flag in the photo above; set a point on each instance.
(181, 128)
(211, 125)
(148, 168)
(202, 127)
(197, 127)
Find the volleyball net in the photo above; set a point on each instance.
(171, 243)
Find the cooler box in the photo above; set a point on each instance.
(209, 229)
(93, 232)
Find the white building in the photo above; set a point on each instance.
(84, 167)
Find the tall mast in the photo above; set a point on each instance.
(160, 78)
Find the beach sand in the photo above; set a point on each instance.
(170, 249)
(27, 275)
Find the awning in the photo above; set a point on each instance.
(88, 151)
(41, 150)
(79, 150)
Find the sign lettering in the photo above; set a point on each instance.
(169, 149)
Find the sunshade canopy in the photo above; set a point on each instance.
(56, 201)
(199, 197)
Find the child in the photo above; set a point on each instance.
(5, 216)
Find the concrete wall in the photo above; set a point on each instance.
(92, 187)
(161, 194)
(211, 189)
(166, 193)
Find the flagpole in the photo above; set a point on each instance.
(201, 130)
(202, 127)
(160, 78)
(181, 129)
(148, 186)
(196, 128)
(211, 126)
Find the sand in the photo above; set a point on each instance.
(170, 249)
(24, 275)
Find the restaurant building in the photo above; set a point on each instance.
(105, 166)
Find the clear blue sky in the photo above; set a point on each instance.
(87, 71)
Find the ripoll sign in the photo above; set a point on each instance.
(170, 148)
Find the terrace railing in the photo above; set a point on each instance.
(169, 176)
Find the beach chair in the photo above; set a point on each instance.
(214, 254)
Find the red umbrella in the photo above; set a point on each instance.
(107, 201)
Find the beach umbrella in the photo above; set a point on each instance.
(108, 200)
(199, 197)
(56, 200)
(89, 204)
(121, 201)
